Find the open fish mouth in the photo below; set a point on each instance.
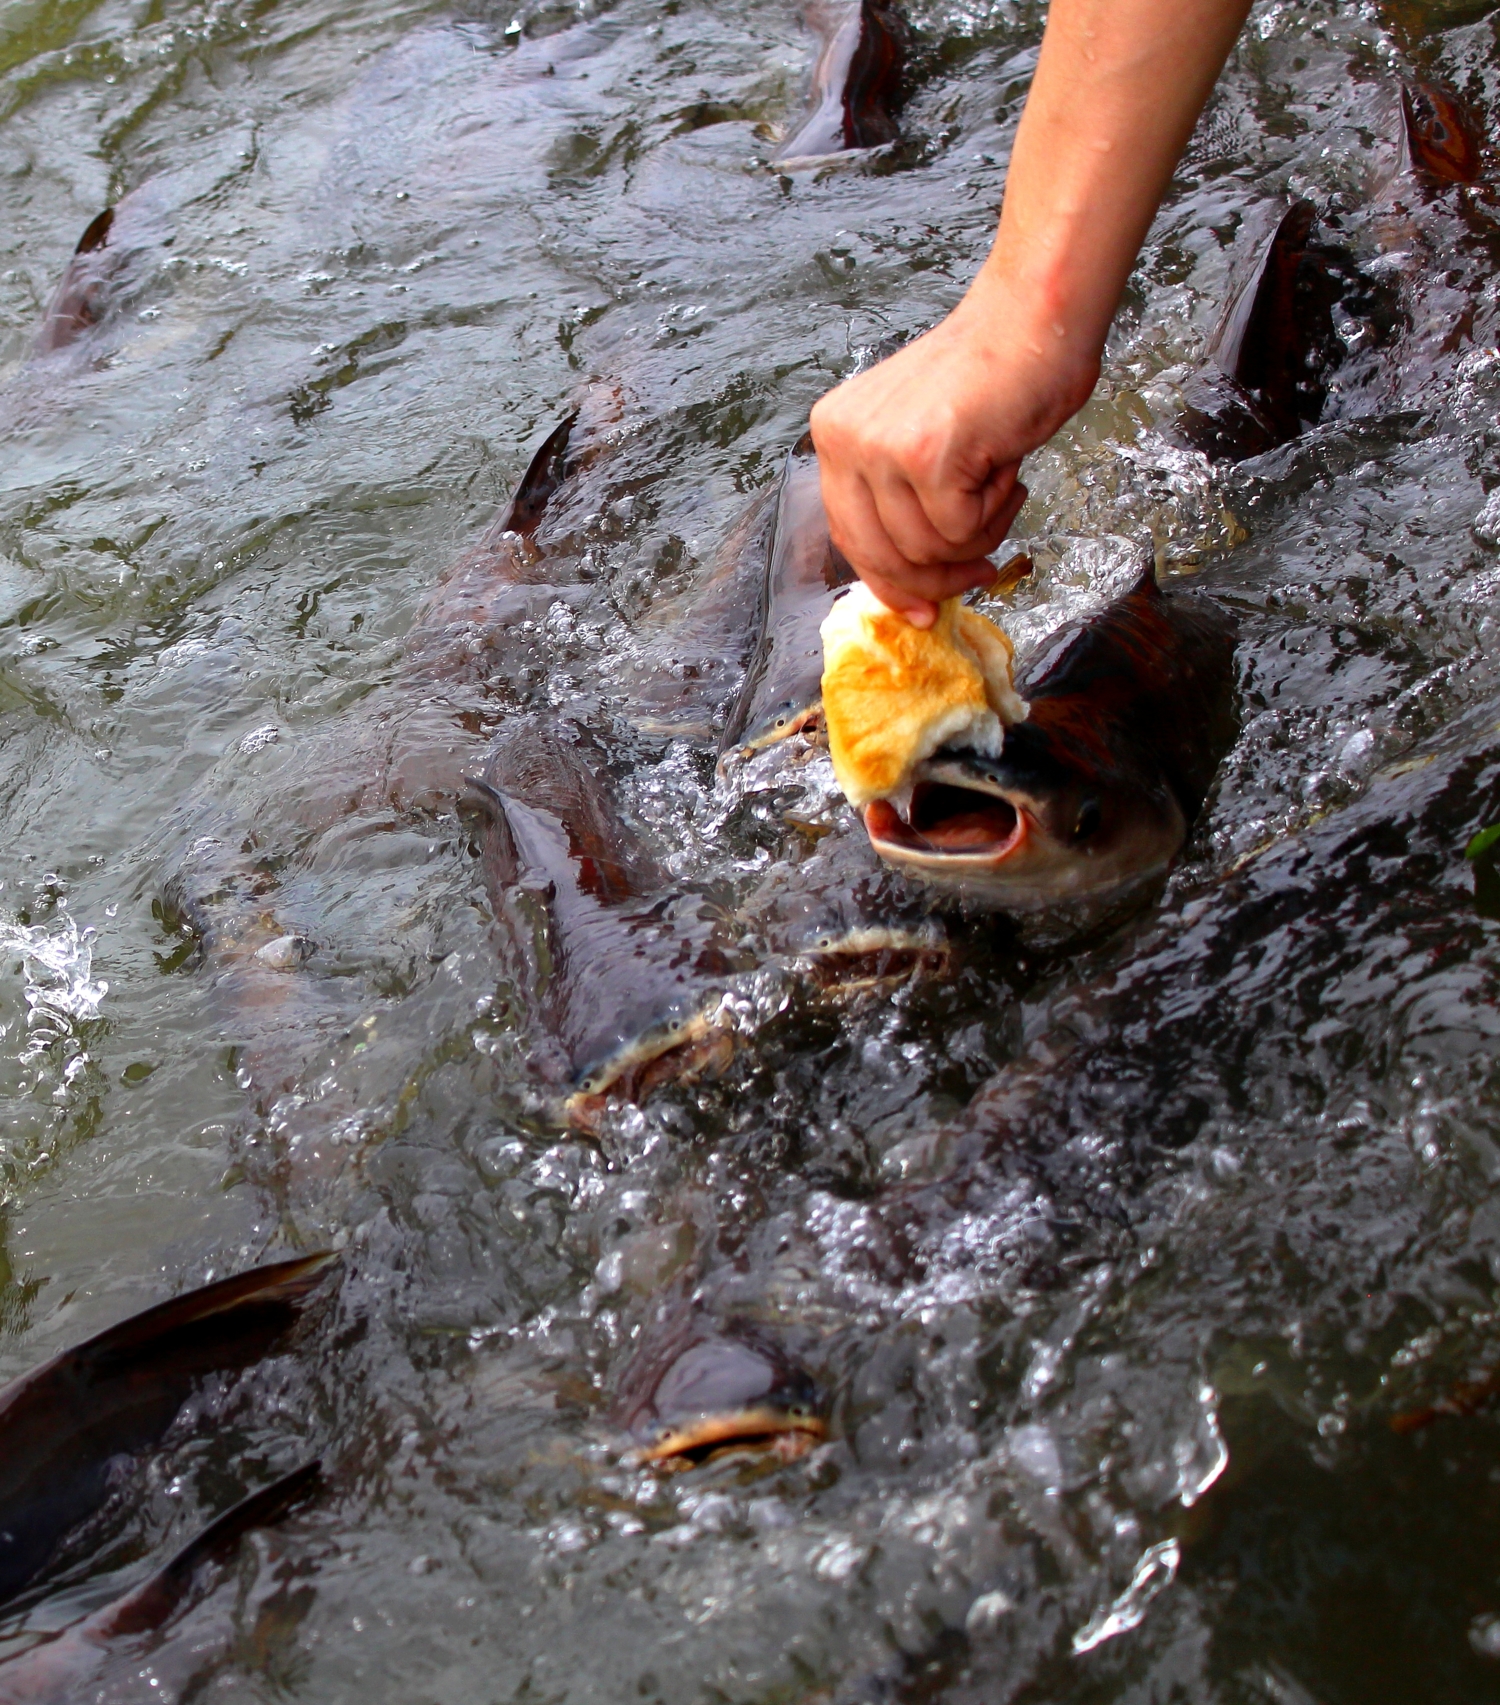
(872, 957)
(948, 816)
(785, 1434)
(684, 1051)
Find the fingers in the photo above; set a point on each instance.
(917, 594)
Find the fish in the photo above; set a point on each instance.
(98, 274)
(622, 968)
(57, 1669)
(66, 1426)
(845, 923)
(1092, 796)
(1439, 139)
(804, 573)
(1276, 346)
(699, 1390)
(856, 89)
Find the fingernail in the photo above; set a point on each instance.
(922, 615)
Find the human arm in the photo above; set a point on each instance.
(920, 455)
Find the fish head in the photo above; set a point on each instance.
(708, 1391)
(1022, 833)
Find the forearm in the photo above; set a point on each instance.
(1117, 91)
(921, 455)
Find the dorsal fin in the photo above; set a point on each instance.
(544, 474)
(872, 86)
(177, 1325)
(96, 232)
(149, 1605)
(64, 1423)
(1146, 584)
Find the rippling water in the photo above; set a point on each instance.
(1116, 1261)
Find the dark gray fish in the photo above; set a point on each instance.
(1091, 797)
(856, 82)
(66, 1426)
(54, 1672)
(623, 969)
(698, 1390)
(804, 573)
(1277, 347)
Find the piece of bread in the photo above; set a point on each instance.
(894, 694)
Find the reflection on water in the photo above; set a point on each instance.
(1113, 1262)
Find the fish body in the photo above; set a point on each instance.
(1091, 796)
(856, 84)
(66, 1426)
(1276, 347)
(622, 968)
(804, 573)
(54, 1672)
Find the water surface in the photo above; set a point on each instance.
(1116, 1261)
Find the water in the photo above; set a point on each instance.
(1116, 1261)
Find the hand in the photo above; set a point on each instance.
(920, 456)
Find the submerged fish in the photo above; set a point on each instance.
(1439, 139)
(620, 968)
(1276, 347)
(1091, 797)
(59, 1667)
(701, 1390)
(856, 82)
(66, 1426)
(804, 573)
(99, 273)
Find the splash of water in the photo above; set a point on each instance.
(60, 991)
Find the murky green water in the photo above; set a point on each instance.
(1060, 1234)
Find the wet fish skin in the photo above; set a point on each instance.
(856, 83)
(66, 1424)
(804, 573)
(695, 649)
(622, 968)
(1276, 345)
(53, 1672)
(1091, 797)
(699, 1388)
(1440, 141)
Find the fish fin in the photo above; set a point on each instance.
(1146, 584)
(546, 471)
(249, 1301)
(502, 862)
(96, 232)
(872, 88)
(280, 1285)
(162, 1595)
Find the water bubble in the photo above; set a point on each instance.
(1484, 1635)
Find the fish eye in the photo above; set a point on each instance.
(825, 941)
(1089, 820)
(587, 1086)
